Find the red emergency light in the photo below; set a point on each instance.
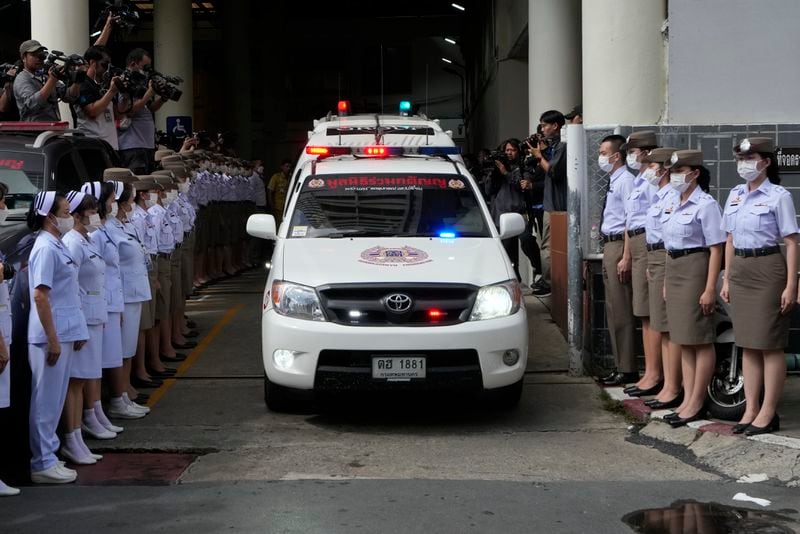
(343, 107)
(435, 315)
(375, 151)
(328, 150)
(32, 126)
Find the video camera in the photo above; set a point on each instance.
(5, 67)
(166, 86)
(126, 16)
(498, 155)
(66, 67)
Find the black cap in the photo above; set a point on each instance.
(577, 110)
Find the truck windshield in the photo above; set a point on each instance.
(23, 173)
(387, 204)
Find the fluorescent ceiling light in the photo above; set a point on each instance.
(451, 41)
(458, 6)
(446, 60)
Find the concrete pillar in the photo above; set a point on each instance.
(61, 25)
(623, 61)
(172, 53)
(554, 57)
(236, 24)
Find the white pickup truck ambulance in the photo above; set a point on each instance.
(388, 274)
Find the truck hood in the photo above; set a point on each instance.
(316, 262)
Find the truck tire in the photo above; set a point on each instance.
(277, 398)
(507, 397)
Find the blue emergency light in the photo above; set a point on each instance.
(405, 107)
(447, 235)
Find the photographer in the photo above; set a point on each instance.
(138, 130)
(94, 109)
(8, 107)
(37, 100)
(552, 157)
(508, 188)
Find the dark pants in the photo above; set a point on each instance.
(530, 246)
(512, 249)
(138, 160)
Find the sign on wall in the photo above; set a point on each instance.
(788, 158)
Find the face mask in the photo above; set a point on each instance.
(94, 223)
(65, 225)
(114, 209)
(184, 187)
(678, 181)
(149, 203)
(748, 169)
(632, 163)
(651, 176)
(260, 169)
(3, 215)
(604, 164)
(172, 195)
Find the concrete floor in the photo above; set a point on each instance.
(559, 462)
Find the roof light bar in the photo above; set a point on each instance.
(327, 150)
(33, 126)
(382, 150)
(405, 108)
(343, 107)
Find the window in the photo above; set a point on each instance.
(67, 176)
(94, 161)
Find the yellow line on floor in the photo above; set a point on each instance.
(204, 343)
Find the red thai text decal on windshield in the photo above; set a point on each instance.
(377, 182)
(13, 164)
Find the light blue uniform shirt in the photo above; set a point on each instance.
(638, 202)
(109, 250)
(91, 277)
(663, 203)
(619, 189)
(145, 227)
(51, 265)
(164, 236)
(132, 262)
(174, 214)
(696, 223)
(760, 218)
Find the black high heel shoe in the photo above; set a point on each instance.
(680, 421)
(740, 428)
(655, 404)
(773, 426)
(638, 392)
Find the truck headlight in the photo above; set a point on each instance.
(296, 301)
(498, 300)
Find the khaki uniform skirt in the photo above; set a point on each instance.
(165, 289)
(639, 285)
(176, 297)
(755, 286)
(686, 280)
(149, 307)
(187, 263)
(656, 263)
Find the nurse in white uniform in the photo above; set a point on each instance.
(56, 331)
(87, 364)
(5, 338)
(135, 284)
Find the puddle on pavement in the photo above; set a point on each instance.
(692, 517)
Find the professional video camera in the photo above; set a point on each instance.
(165, 86)
(498, 155)
(126, 16)
(66, 67)
(5, 67)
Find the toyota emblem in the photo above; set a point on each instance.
(398, 303)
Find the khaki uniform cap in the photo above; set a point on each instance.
(178, 170)
(146, 185)
(163, 180)
(680, 158)
(174, 159)
(751, 145)
(659, 155)
(642, 139)
(116, 173)
(161, 154)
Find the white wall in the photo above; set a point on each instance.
(733, 61)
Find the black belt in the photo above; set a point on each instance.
(167, 255)
(633, 233)
(655, 246)
(756, 252)
(677, 253)
(613, 237)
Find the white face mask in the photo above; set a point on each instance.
(651, 176)
(604, 164)
(94, 223)
(172, 195)
(65, 225)
(149, 202)
(632, 163)
(678, 181)
(3, 215)
(183, 187)
(114, 209)
(748, 169)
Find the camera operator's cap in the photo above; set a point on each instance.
(31, 45)
(116, 173)
(682, 158)
(163, 153)
(577, 110)
(750, 145)
(659, 155)
(642, 139)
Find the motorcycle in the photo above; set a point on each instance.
(726, 391)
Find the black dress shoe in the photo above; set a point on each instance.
(169, 359)
(740, 428)
(671, 416)
(191, 324)
(166, 373)
(147, 384)
(606, 377)
(192, 333)
(629, 389)
(656, 404)
(655, 390)
(773, 426)
(680, 421)
(620, 379)
(187, 345)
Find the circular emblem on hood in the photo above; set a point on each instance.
(398, 303)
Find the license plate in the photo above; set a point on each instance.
(398, 368)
